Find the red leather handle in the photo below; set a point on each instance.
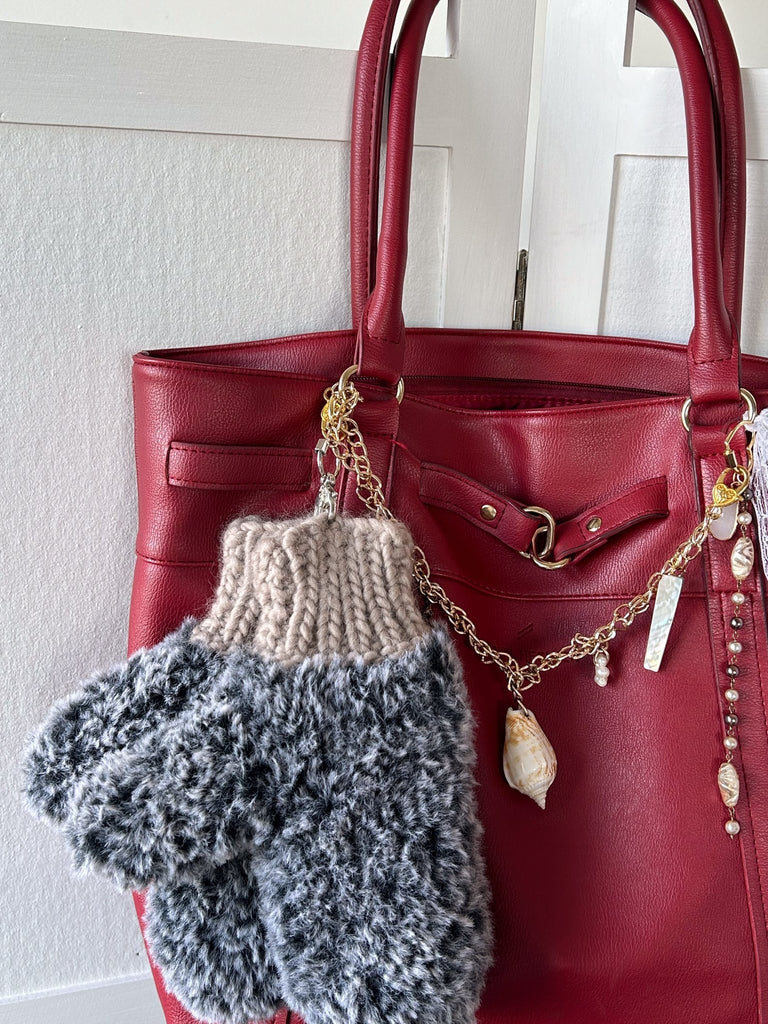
(714, 354)
(713, 349)
(367, 118)
(725, 76)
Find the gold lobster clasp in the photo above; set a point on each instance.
(724, 494)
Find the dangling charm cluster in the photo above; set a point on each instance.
(529, 760)
(742, 564)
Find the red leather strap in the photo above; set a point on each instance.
(713, 347)
(581, 535)
(367, 118)
(725, 75)
(381, 330)
(575, 537)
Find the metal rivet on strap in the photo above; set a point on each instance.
(594, 524)
(488, 512)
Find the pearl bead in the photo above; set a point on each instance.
(732, 827)
(735, 647)
(738, 597)
(732, 671)
(601, 660)
(601, 680)
(731, 719)
(731, 696)
(730, 743)
(744, 518)
(737, 622)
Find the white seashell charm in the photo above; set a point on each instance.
(742, 558)
(728, 784)
(530, 764)
(724, 527)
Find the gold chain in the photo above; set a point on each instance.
(346, 442)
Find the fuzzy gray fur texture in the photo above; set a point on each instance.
(205, 933)
(344, 794)
(109, 712)
(207, 937)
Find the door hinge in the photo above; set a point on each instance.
(521, 280)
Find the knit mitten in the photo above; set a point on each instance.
(205, 933)
(331, 756)
(110, 712)
(207, 937)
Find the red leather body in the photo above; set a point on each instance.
(624, 901)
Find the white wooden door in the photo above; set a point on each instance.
(609, 234)
(165, 191)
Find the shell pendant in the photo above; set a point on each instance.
(530, 764)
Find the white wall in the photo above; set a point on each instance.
(115, 241)
(648, 290)
(749, 24)
(332, 23)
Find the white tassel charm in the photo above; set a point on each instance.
(759, 481)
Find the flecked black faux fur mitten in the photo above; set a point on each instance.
(327, 766)
(204, 931)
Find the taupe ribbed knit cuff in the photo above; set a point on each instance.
(304, 587)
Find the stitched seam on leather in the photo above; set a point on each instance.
(368, 176)
(266, 485)
(172, 564)
(514, 596)
(266, 376)
(583, 409)
(244, 451)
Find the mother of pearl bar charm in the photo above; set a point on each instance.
(664, 610)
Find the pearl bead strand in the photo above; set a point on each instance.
(727, 776)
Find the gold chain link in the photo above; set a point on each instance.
(347, 444)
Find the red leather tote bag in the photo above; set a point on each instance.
(624, 901)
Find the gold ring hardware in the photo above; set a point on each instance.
(749, 401)
(349, 373)
(539, 554)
